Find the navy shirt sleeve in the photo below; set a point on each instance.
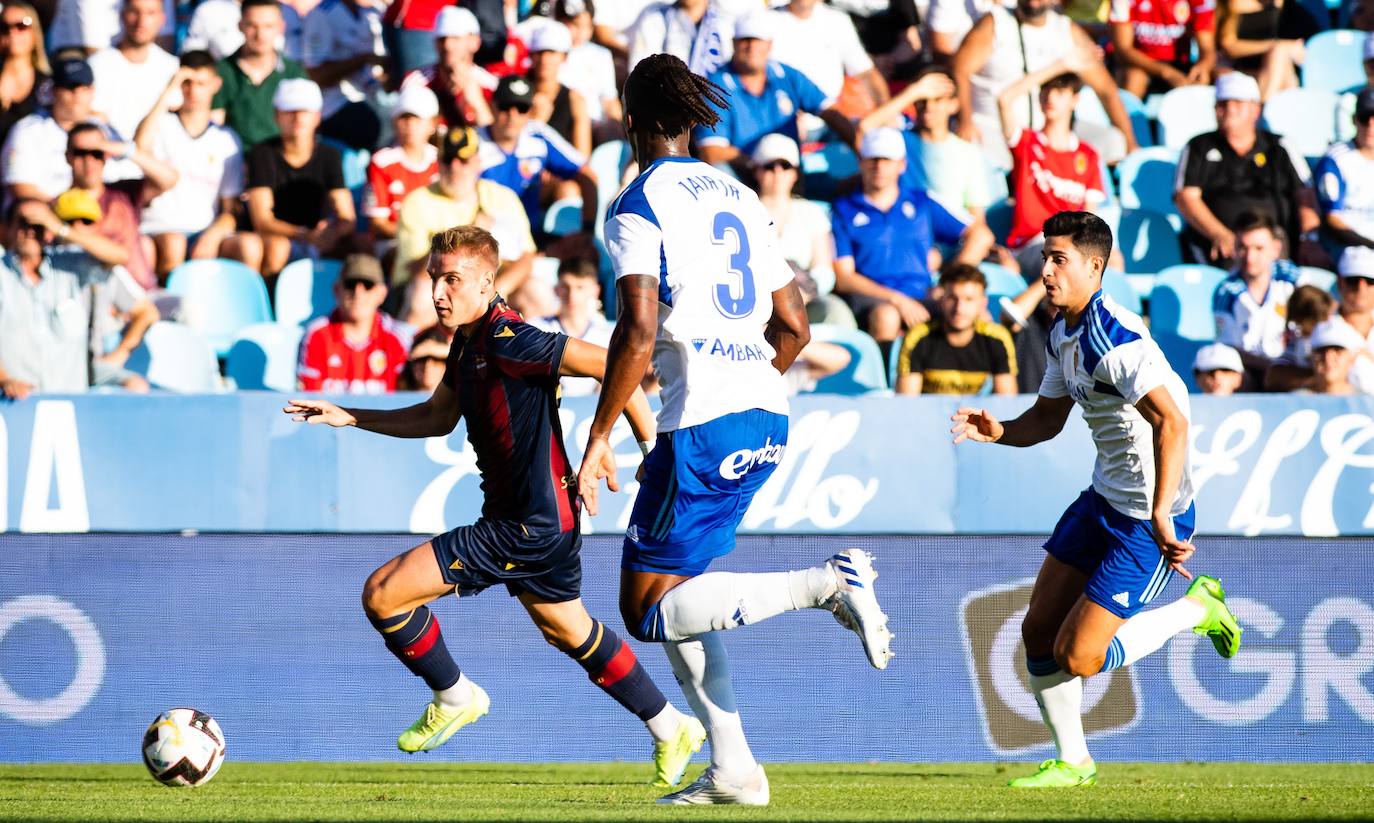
(520, 350)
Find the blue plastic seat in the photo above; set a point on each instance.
(608, 162)
(998, 218)
(1146, 179)
(1181, 302)
(563, 218)
(1335, 61)
(1116, 286)
(175, 357)
(1002, 282)
(866, 372)
(1186, 112)
(264, 357)
(305, 290)
(1305, 118)
(1321, 278)
(1090, 110)
(219, 297)
(1148, 241)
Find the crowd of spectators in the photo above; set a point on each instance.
(902, 147)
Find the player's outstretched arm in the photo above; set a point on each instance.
(1041, 422)
(1171, 450)
(788, 330)
(434, 417)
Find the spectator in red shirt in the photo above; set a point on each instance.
(462, 87)
(411, 163)
(1052, 169)
(357, 349)
(1153, 43)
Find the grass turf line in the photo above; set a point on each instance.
(596, 792)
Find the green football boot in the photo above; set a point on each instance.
(671, 757)
(1218, 624)
(439, 722)
(1056, 774)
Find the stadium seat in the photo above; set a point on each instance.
(219, 297)
(1148, 241)
(175, 357)
(1186, 112)
(1090, 110)
(608, 162)
(305, 290)
(1002, 282)
(1146, 180)
(546, 269)
(563, 217)
(1181, 302)
(998, 218)
(1305, 118)
(1334, 61)
(1116, 286)
(264, 356)
(866, 372)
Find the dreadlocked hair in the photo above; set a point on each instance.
(666, 98)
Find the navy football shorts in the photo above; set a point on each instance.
(548, 566)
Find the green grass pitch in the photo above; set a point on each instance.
(595, 792)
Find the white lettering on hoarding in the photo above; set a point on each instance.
(54, 455)
(90, 660)
(828, 502)
(1325, 671)
(1341, 438)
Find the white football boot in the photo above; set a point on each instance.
(713, 788)
(855, 605)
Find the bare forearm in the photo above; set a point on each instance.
(1197, 214)
(640, 417)
(1171, 449)
(102, 248)
(419, 420)
(143, 316)
(1030, 428)
(627, 359)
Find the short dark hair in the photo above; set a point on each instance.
(1255, 220)
(579, 267)
(198, 59)
(1067, 80)
(665, 98)
(1087, 232)
(82, 128)
(955, 273)
(1309, 305)
(250, 4)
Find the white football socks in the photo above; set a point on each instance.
(457, 695)
(1148, 631)
(663, 726)
(722, 600)
(703, 672)
(1060, 697)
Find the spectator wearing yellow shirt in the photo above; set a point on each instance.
(957, 352)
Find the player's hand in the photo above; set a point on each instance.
(318, 411)
(1174, 550)
(598, 462)
(976, 425)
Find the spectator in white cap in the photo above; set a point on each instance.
(297, 200)
(590, 69)
(460, 85)
(556, 105)
(343, 52)
(411, 163)
(1241, 169)
(1336, 347)
(1356, 310)
(765, 97)
(1217, 370)
(1345, 179)
(884, 234)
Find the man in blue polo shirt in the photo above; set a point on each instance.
(883, 237)
(765, 98)
(516, 151)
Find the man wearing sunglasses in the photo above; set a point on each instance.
(1345, 181)
(356, 349)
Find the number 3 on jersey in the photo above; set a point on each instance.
(734, 295)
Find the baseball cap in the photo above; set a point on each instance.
(884, 143)
(297, 94)
(1237, 86)
(458, 144)
(71, 73)
(551, 37)
(776, 147)
(416, 100)
(77, 204)
(1217, 356)
(455, 21)
(362, 267)
(1336, 334)
(513, 91)
(1364, 102)
(1357, 261)
(757, 26)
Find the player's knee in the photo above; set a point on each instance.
(1078, 662)
(559, 638)
(1037, 634)
(375, 601)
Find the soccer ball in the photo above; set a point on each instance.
(183, 747)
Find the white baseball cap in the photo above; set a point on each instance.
(776, 147)
(883, 143)
(1356, 261)
(456, 21)
(759, 25)
(417, 100)
(551, 37)
(1217, 356)
(1336, 333)
(1237, 86)
(297, 94)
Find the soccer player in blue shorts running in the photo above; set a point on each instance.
(1119, 543)
(703, 287)
(502, 375)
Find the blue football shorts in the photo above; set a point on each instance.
(698, 483)
(1125, 567)
(474, 558)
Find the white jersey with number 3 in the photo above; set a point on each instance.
(711, 244)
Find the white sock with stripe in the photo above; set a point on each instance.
(1148, 631)
(703, 671)
(1060, 698)
(722, 600)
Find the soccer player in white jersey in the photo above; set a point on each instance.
(703, 287)
(1118, 544)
